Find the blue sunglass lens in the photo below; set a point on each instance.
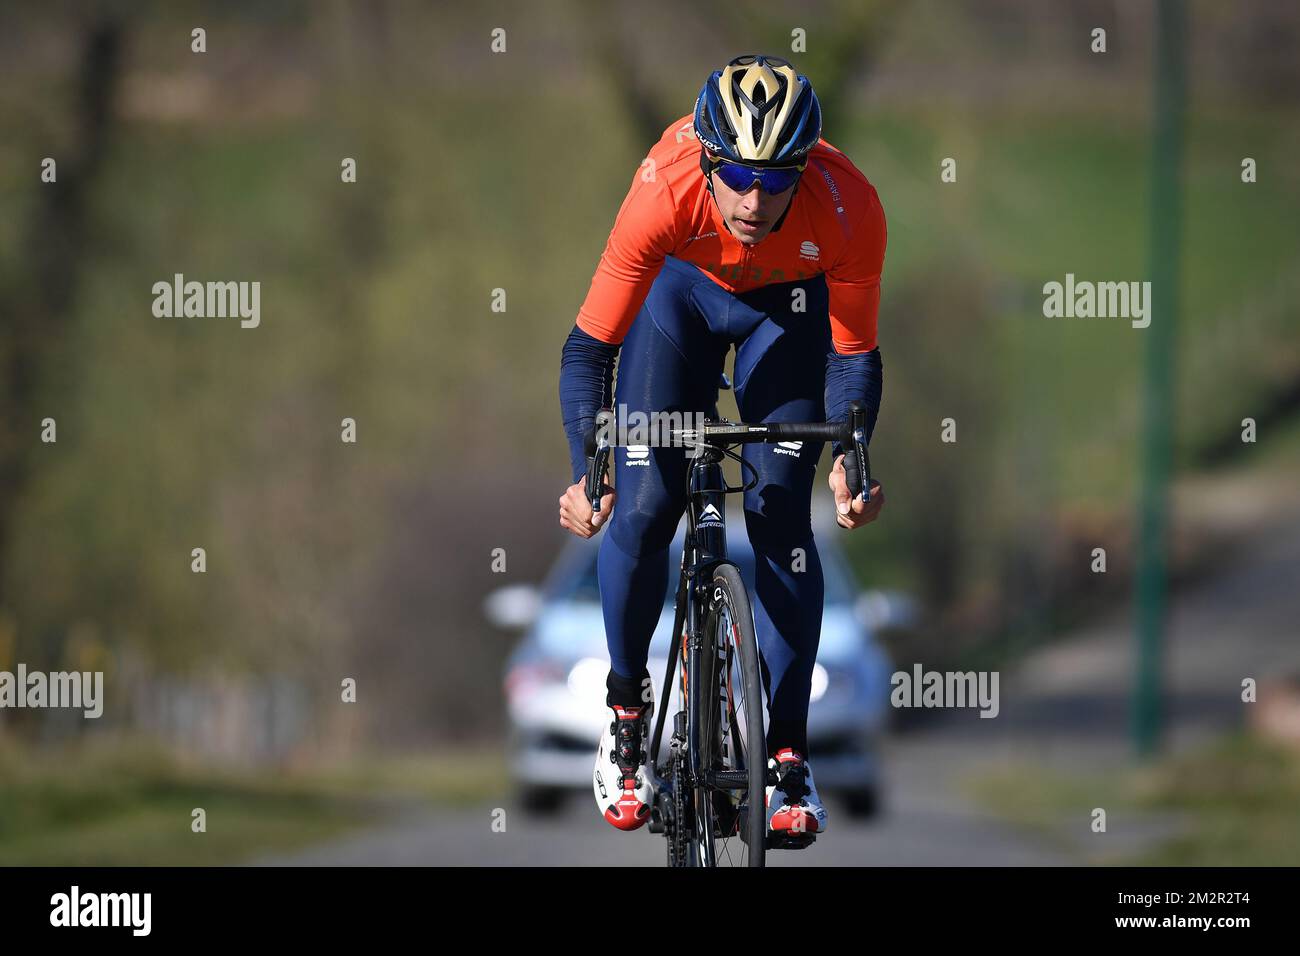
(772, 181)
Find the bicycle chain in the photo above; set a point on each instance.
(677, 842)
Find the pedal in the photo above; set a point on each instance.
(790, 841)
(775, 841)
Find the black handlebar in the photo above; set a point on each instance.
(850, 433)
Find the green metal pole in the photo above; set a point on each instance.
(1158, 404)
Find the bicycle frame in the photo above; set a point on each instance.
(705, 548)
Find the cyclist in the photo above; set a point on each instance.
(743, 228)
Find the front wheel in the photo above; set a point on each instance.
(731, 818)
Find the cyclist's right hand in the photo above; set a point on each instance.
(575, 510)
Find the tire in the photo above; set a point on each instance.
(731, 825)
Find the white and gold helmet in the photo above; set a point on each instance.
(757, 110)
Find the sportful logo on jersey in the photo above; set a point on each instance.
(709, 518)
(638, 455)
(809, 250)
(788, 448)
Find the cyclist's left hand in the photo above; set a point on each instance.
(856, 512)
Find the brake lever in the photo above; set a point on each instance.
(858, 426)
(597, 457)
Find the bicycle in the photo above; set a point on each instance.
(712, 785)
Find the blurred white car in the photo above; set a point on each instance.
(555, 678)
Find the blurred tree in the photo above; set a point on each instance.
(39, 296)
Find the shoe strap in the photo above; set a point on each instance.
(629, 732)
(792, 775)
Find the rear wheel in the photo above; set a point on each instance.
(731, 820)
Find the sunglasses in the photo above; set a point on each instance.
(771, 179)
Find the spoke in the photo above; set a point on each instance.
(744, 852)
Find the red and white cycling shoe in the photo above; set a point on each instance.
(794, 808)
(620, 779)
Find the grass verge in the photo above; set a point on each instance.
(126, 804)
(1231, 803)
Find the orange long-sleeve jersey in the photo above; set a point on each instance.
(834, 225)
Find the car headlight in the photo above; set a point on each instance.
(820, 681)
(587, 678)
